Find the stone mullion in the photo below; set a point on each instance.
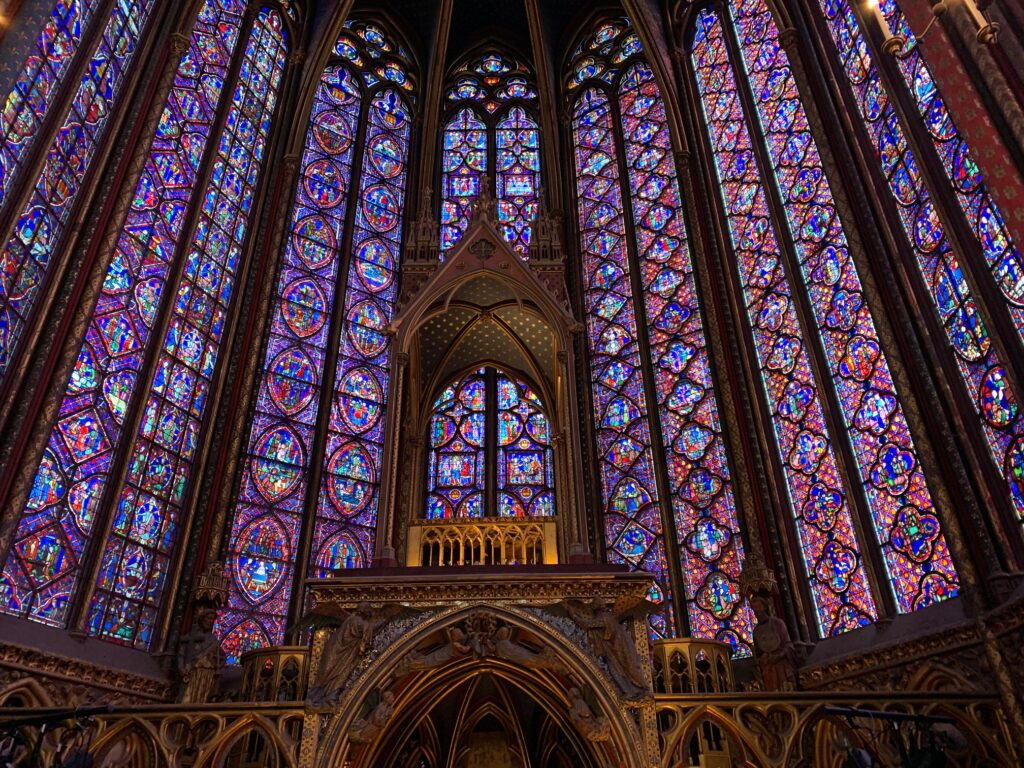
(384, 541)
(551, 180)
(846, 462)
(669, 535)
(778, 486)
(991, 303)
(79, 611)
(429, 168)
(328, 380)
(35, 337)
(39, 414)
(589, 461)
(944, 471)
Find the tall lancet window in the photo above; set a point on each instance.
(653, 393)
(491, 134)
(112, 485)
(954, 171)
(774, 191)
(490, 450)
(96, 52)
(326, 360)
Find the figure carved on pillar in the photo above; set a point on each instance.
(200, 659)
(612, 641)
(345, 646)
(775, 652)
(592, 727)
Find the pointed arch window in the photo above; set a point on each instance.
(651, 397)
(322, 396)
(489, 419)
(924, 226)
(771, 138)
(68, 43)
(491, 134)
(84, 514)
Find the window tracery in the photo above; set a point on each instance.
(41, 222)
(88, 441)
(489, 413)
(327, 358)
(618, 172)
(977, 360)
(492, 127)
(915, 554)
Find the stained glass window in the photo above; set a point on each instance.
(492, 126)
(71, 481)
(137, 554)
(456, 464)
(619, 111)
(489, 413)
(40, 224)
(465, 163)
(38, 84)
(979, 365)
(915, 553)
(304, 379)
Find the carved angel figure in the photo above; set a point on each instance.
(345, 646)
(610, 639)
(507, 648)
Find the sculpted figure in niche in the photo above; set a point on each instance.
(200, 660)
(774, 651)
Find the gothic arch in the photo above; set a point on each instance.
(626, 741)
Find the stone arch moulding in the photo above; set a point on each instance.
(632, 739)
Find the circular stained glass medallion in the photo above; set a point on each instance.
(350, 479)
(375, 265)
(359, 400)
(304, 308)
(366, 324)
(277, 464)
(314, 241)
(292, 376)
(262, 550)
(386, 156)
(324, 183)
(380, 208)
(332, 132)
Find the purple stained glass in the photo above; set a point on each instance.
(526, 466)
(914, 549)
(457, 457)
(464, 164)
(42, 570)
(267, 518)
(980, 368)
(839, 585)
(38, 229)
(632, 516)
(984, 218)
(350, 485)
(518, 176)
(137, 554)
(706, 521)
(39, 82)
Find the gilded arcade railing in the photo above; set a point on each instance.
(483, 541)
(797, 730)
